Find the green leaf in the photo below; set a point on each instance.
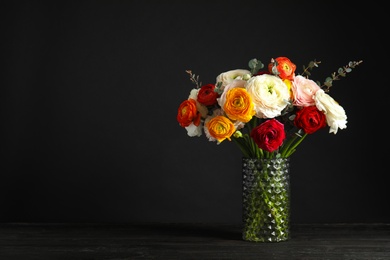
(252, 63)
(255, 65)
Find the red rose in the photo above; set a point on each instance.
(187, 113)
(310, 119)
(269, 135)
(207, 96)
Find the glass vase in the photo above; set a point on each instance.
(266, 200)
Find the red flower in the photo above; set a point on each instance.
(187, 113)
(207, 96)
(269, 135)
(310, 119)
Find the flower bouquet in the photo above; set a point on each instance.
(267, 111)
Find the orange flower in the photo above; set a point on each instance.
(187, 113)
(239, 105)
(282, 67)
(220, 128)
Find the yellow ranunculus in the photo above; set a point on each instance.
(238, 105)
(220, 128)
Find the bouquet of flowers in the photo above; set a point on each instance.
(266, 110)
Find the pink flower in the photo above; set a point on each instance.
(303, 91)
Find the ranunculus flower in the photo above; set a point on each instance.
(303, 91)
(187, 113)
(202, 109)
(284, 104)
(239, 105)
(269, 94)
(207, 96)
(220, 128)
(335, 114)
(238, 83)
(282, 67)
(310, 119)
(269, 135)
(228, 76)
(193, 130)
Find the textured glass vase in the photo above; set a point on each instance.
(266, 200)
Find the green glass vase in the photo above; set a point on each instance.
(266, 200)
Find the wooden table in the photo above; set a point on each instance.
(189, 241)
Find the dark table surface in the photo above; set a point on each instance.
(189, 241)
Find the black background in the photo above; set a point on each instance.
(89, 97)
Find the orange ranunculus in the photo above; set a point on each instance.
(239, 105)
(282, 67)
(220, 128)
(187, 113)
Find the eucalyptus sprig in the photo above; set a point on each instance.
(310, 66)
(341, 72)
(255, 65)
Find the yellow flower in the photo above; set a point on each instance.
(239, 105)
(288, 84)
(220, 128)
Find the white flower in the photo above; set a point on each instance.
(193, 130)
(194, 94)
(335, 114)
(269, 94)
(228, 76)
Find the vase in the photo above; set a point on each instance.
(266, 200)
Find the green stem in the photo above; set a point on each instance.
(289, 148)
(242, 145)
(292, 148)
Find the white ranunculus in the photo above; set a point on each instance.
(269, 94)
(335, 114)
(193, 130)
(228, 76)
(194, 93)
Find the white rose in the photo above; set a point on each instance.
(335, 114)
(269, 94)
